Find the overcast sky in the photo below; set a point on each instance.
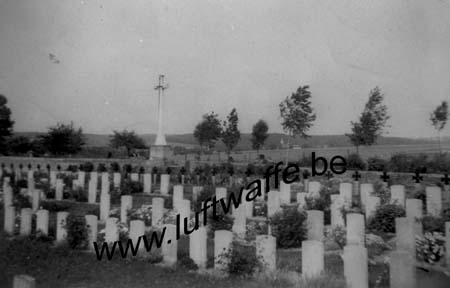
(96, 62)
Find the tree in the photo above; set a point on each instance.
(63, 139)
(372, 121)
(296, 113)
(438, 119)
(127, 139)
(208, 131)
(259, 134)
(231, 134)
(18, 145)
(6, 124)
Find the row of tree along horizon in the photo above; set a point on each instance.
(296, 113)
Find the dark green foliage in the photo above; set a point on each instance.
(21, 201)
(241, 259)
(101, 168)
(208, 131)
(384, 218)
(6, 124)
(433, 224)
(63, 139)
(296, 113)
(185, 262)
(19, 145)
(355, 162)
(115, 167)
(259, 134)
(128, 140)
(77, 233)
(371, 122)
(377, 164)
(222, 221)
(288, 226)
(80, 195)
(87, 167)
(230, 133)
(131, 187)
(55, 206)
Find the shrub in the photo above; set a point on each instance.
(131, 187)
(55, 206)
(339, 235)
(433, 224)
(355, 162)
(80, 194)
(77, 233)
(240, 259)
(87, 167)
(115, 167)
(377, 164)
(221, 222)
(375, 245)
(384, 218)
(184, 261)
(21, 201)
(289, 227)
(430, 248)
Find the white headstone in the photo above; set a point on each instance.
(111, 230)
(92, 228)
(366, 190)
(157, 211)
(414, 210)
(240, 219)
(273, 203)
(301, 200)
(170, 245)
(184, 209)
(105, 206)
(81, 178)
(36, 198)
(24, 281)
(7, 195)
(59, 190)
(165, 181)
(92, 191)
(398, 195)
(356, 269)
(61, 221)
(447, 243)
(372, 203)
(402, 270)
(26, 215)
(266, 248)
(52, 179)
(314, 189)
(126, 203)
(222, 244)
(345, 191)
(313, 262)
(285, 193)
(137, 230)
(404, 234)
(42, 221)
(196, 190)
(434, 200)
(9, 221)
(105, 183)
(178, 194)
(134, 177)
(221, 192)
(356, 229)
(147, 183)
(337, 219)
(315, 224)
(116, 179)
(197, 247)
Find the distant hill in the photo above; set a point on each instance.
(273, 141)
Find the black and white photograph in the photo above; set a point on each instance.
(224, 143)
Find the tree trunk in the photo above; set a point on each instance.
(439, 143)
